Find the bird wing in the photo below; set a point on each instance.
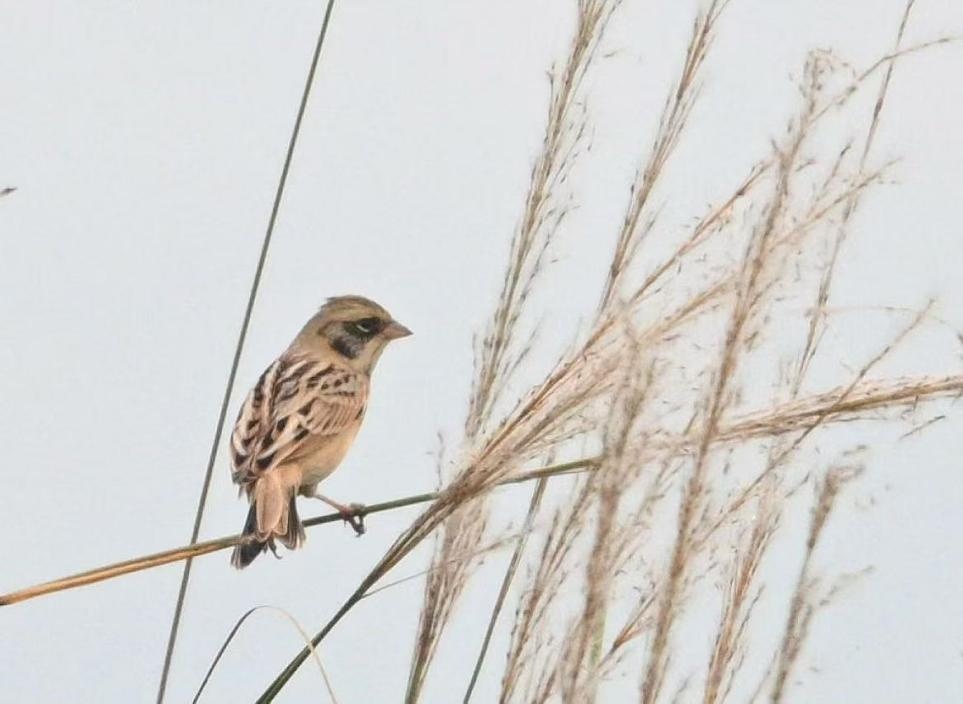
(295, 398)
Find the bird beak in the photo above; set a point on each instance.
(394, 330)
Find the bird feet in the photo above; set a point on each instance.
(352, 514)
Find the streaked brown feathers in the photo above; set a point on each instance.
(299, 420)
(295, 399)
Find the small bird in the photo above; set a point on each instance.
(299, 420)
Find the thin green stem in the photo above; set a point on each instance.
(506, 583)
(390, 559)
(242, 335)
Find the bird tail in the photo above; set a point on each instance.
(269, 518)
(251, 547)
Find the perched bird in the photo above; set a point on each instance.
(301, 417)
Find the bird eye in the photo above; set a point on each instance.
(367, 326)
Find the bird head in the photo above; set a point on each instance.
(353, 327)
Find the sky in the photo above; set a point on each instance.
(145, 141)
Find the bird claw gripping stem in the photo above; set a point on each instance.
(354, 517)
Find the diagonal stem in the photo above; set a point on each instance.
(193, 550)
(842, 405)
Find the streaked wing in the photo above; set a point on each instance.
(252, 422)
(293, 399)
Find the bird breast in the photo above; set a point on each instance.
(323, 454)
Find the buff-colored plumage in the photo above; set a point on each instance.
(299, 420)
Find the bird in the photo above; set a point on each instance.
(298, 422)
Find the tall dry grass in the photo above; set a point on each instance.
(705, 429)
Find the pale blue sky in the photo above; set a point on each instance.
(145, 140)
